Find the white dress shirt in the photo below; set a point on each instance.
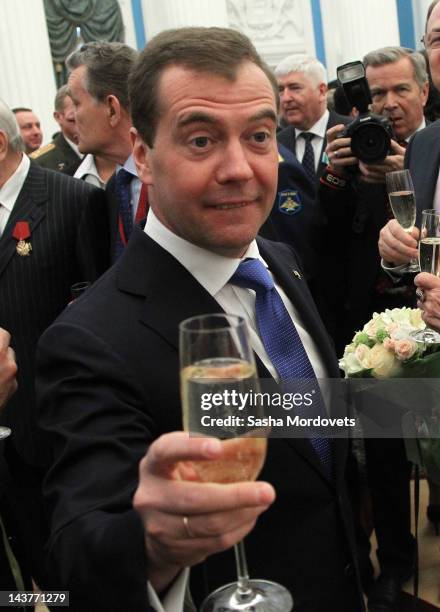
(318, 130)
(213, 272)
(10, 190)
(88, 172)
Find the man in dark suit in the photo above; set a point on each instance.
(204, 107)
(53, 233)
(62, 153)
(98, 84)
(302, 83)
(357, 208)
(296, 217)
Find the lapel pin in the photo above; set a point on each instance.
(296, 273)
(21, 232)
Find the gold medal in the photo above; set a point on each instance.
(23, 248)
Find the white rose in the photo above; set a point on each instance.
(416, 319)
(372, 327)
(350, 364)
(383, 362)
(362, 354)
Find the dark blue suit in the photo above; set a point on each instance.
(109, 384)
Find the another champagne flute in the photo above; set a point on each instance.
(216, 358)
(403, 203)
(429, 259)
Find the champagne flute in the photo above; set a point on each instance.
(403, 203)
(216, 358)
(429, 259)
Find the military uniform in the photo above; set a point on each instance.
(57, 155)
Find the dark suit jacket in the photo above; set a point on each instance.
(296, 218)
(69, 244)
(287, 137)
(125, 393)
(58, 155)
(423, 160)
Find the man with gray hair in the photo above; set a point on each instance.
(98, 85)
(53, 234)
(62, 153)
(302, 83)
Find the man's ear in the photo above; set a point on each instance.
(323, 89)
(141, 155)
(4, 145)
(113, 110)
(56, 116)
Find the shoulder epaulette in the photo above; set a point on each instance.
(42, 150)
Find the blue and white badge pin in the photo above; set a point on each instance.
(289, 202)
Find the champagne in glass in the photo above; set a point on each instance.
(243, 457)
(403, 203)
(217, 362)
(429, 259)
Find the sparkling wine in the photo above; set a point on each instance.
(429, 255)
(403, 204)
(243, 456)
(242, 459)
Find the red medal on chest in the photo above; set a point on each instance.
(21, 232)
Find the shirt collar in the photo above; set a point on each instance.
(421, 127)
(10, 190)
(87, 166)
(211, 270)
(319, 128)
(129, 165)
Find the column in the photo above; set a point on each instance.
(352, 29)
(27, 77)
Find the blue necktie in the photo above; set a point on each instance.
(308, 160)
(281, 340)
(125, 216)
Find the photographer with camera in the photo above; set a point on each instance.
(355, 200)
(352, 193)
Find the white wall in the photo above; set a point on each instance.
(27, 77)
(353, 28)
(164, 14)
(420, 8)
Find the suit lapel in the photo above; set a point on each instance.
(164, 285)
(30, 207)
(424, 164)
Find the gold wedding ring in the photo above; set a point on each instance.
(188, 531)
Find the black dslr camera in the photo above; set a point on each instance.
(370, 134)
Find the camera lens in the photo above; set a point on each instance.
(370, 143)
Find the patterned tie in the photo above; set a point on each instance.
(125, 214)
(281, 341)
(308, 160)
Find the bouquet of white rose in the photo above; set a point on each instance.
(384, 348)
